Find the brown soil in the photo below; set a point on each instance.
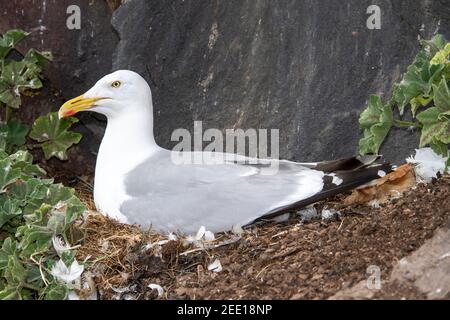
(291, 260)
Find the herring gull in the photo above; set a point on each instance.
(137, 181)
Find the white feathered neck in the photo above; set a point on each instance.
(127, 142)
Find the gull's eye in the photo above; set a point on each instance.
(116, 84)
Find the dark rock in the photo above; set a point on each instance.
(304, 67)
(80, 56)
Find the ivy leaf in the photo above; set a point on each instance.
(9, 294)
(58, 193)
(8, 174)
(442, 96)
(9, 41)
(56, 291)
(410, 87)
(15, 272)
(9, 248)
(23, 161)
(442, 56)
(54, 135)
(377, 120)
(9, 209)
(75, 209)
(34, 239)
(436, 44)
(371, 115)
(418, 102)
(420, 76)
(16, 77)
(17, 133)
(432, 126)
(40, 59)
(439, 147)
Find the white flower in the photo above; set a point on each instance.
(70, 276)
(427, 164)
(202, 236)
(158, 288)
(59, 245)
(216, 266)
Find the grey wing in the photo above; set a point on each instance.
(185, 197)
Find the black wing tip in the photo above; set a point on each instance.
(347, 164)
(347, 180)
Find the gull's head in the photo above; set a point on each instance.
(116, 94)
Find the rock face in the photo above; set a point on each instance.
(303, 67)
(80, 56)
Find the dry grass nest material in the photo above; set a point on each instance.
(117, 256)
(124, 260)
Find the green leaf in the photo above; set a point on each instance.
(8, 174)
(371, 115)
(442, 56)
(31, 193)
(420, 76)
(38, 58)
(17, 133)
(442, 96)
(23, 161)
(9, 41)
(15, 78)
(54, 135)
(34, 239)
(9, 248)
(439, 147)
(15, 272)
(432, 126)
(9, 293)
(429, 116)
(9, 209)
(418, 102)
(58, 193)
(377, 120)
(436, 44)
(56, 291)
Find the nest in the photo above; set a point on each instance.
(123, 260)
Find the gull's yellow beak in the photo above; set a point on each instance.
(76, 105)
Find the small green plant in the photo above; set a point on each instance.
(424, 89)
(36, 215)
(21, 77)
(33, 213)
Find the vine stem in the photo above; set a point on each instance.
(29, 286)
(401, 123)
(8, 112)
